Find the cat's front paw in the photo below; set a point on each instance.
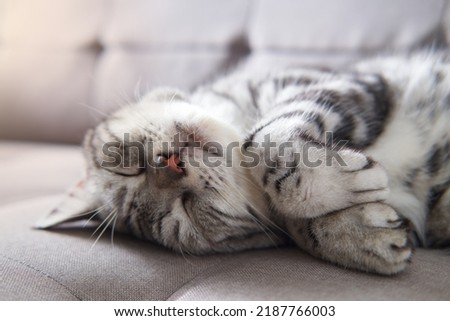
(369, 237)
(363, 179)
(338, 180)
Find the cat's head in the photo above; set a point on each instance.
(166, 171)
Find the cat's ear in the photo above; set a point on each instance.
(79, 203)
(165, 94)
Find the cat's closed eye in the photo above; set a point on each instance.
(213, 149)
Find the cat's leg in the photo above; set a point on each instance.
(369, 237)
(438, 224)
(336, 212)
(331, 198)
(302, 170)
(311, 179)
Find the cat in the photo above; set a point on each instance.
(351, 165)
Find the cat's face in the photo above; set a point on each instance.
(161, 171)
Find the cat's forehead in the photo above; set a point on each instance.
(166, 120)
(161, 113)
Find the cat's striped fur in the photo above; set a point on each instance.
(387, 161)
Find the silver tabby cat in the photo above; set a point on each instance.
(345, 164)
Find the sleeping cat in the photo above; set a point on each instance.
(345, 164)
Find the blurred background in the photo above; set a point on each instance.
(65, 62)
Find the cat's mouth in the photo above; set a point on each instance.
(170, 169)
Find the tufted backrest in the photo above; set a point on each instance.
(64, 63)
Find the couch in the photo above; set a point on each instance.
(64, 64)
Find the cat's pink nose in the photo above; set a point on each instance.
(173, 163)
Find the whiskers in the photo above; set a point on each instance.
(94, 215)
(99, 115)
(110, 219)
(183, 252)
(265, 223)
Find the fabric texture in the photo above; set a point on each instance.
(65, 63)
(64, 265)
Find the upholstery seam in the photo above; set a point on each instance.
(48, 276)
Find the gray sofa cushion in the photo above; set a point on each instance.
(29, 170)
(63, 265)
